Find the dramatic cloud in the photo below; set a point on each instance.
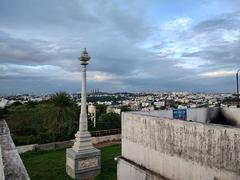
(135, 46)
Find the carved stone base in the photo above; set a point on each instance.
(83, 141)
(83, 165)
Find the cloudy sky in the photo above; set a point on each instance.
(137, 45)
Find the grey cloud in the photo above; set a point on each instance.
(53, 33)
(221, 53)
(110, 32)
(18, 51)
(225, 21)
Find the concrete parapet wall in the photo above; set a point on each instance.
(129, 170)
(2, 177)
(194, 114)
(12, 164)
(66, 144)
(181, 150)
(199, 114)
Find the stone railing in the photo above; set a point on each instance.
(11, 165)
(105, 132)
(66, 144)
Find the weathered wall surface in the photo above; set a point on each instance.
(199, 114)
(66, 144)
(2, 177)
(233, 113)
(194, 114)
(130, 171)
(181, 150)
(12, 163)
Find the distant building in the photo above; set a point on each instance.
(159, 104)
(113, 109)
(3, 103)
(92, 113)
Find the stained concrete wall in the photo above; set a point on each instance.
(199, 114)
(12, 164)
(233, 113)
(2, 177)
(194, 114)
(128, 170)
(181, 150)
(66, 144)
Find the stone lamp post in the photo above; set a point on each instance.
(83, 160)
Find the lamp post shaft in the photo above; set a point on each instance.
(238, 100)
(83, 123)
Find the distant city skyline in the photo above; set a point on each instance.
(90, 93)
(134, 45)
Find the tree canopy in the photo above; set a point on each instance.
(56, 119)
(109, 121)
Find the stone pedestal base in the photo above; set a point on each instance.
(84, 164)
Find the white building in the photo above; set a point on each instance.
(3, 103)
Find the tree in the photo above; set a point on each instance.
(109, 121)
(3, 112)
(62, 116)
(16, 103)
(125, 109)
(31, 104)
(100, 109)
(43, 122)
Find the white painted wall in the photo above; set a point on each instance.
(197, 114)
(128, 171)
(233, 113)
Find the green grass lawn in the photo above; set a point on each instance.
(52, 164)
